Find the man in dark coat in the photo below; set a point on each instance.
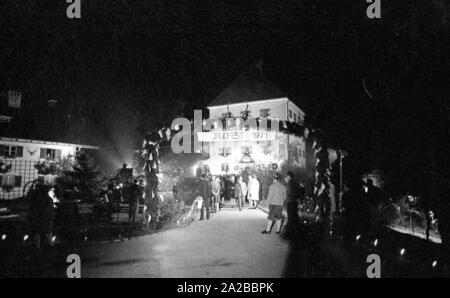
(293, 193)
(230, 190)
(205, 193)
(42, 214)
(133, 193)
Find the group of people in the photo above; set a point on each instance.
(284, 194)
(214, 190)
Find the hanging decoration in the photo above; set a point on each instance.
(150, 154)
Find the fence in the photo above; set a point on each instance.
(14, 184)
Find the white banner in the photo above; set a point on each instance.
(232, 136)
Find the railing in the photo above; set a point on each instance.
(24, 168)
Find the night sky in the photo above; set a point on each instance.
(127, 65)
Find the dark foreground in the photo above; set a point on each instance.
(231, 245)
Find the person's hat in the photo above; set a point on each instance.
(290, 174)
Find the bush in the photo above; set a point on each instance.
(168, 210)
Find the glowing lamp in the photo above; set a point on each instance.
(434, 264)
(53, 239)
(25, 238)
(402, 251)
(375, 243)
(358, 237)
(3, 237)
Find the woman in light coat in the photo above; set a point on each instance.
(253, 191)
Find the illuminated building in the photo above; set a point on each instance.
(232, 150)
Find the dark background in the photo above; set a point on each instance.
(126, 66)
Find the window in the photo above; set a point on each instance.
(225, 167)
(264, 113)
(54, 154)
(11, 151)
(225, 151)
(246, 149)
(290, 113)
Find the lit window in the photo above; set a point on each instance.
(264, 113)
(225, 151)
(51, 153)
(11, 151)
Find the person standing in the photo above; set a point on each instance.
(240, 192)
(215, 189)
(231, 191)
(133, 193)
(42, 214)
(292, 195)
(222, 191)
(205, 193)
(253, 191)
(276, 199)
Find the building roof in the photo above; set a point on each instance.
(250, 86)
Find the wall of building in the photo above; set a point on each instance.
(32, 151)
(23, 166)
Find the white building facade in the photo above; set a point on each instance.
(18, 158)
(233, 150)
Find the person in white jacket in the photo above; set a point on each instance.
(253, 191)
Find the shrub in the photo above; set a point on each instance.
(168, 210)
